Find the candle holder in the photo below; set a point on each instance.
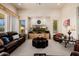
(69, 38)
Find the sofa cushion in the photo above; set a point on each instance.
(11, 44)
(5, 40)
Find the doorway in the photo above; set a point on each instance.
(55, 26)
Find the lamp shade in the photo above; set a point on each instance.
(22, 28)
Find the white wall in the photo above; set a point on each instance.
(54, 14)
(69, 12)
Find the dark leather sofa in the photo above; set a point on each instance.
(10, 41)
(40, 42)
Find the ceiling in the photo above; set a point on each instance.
(38, 5)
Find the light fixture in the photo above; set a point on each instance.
(22, 28)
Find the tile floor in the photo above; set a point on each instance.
(54, 48)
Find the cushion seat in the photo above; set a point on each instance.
(10, 44)
(1, 49)
(40, 42)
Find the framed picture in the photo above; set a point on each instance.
(67, 22)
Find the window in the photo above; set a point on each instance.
(55, 26)
(22, 26)
(2, 23)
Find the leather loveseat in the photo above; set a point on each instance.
(40, 42)
(9, 41)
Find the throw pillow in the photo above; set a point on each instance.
(15, 37)
(6, 40)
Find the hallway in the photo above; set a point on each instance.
(54, 48)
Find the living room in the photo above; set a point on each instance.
(25, 22)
